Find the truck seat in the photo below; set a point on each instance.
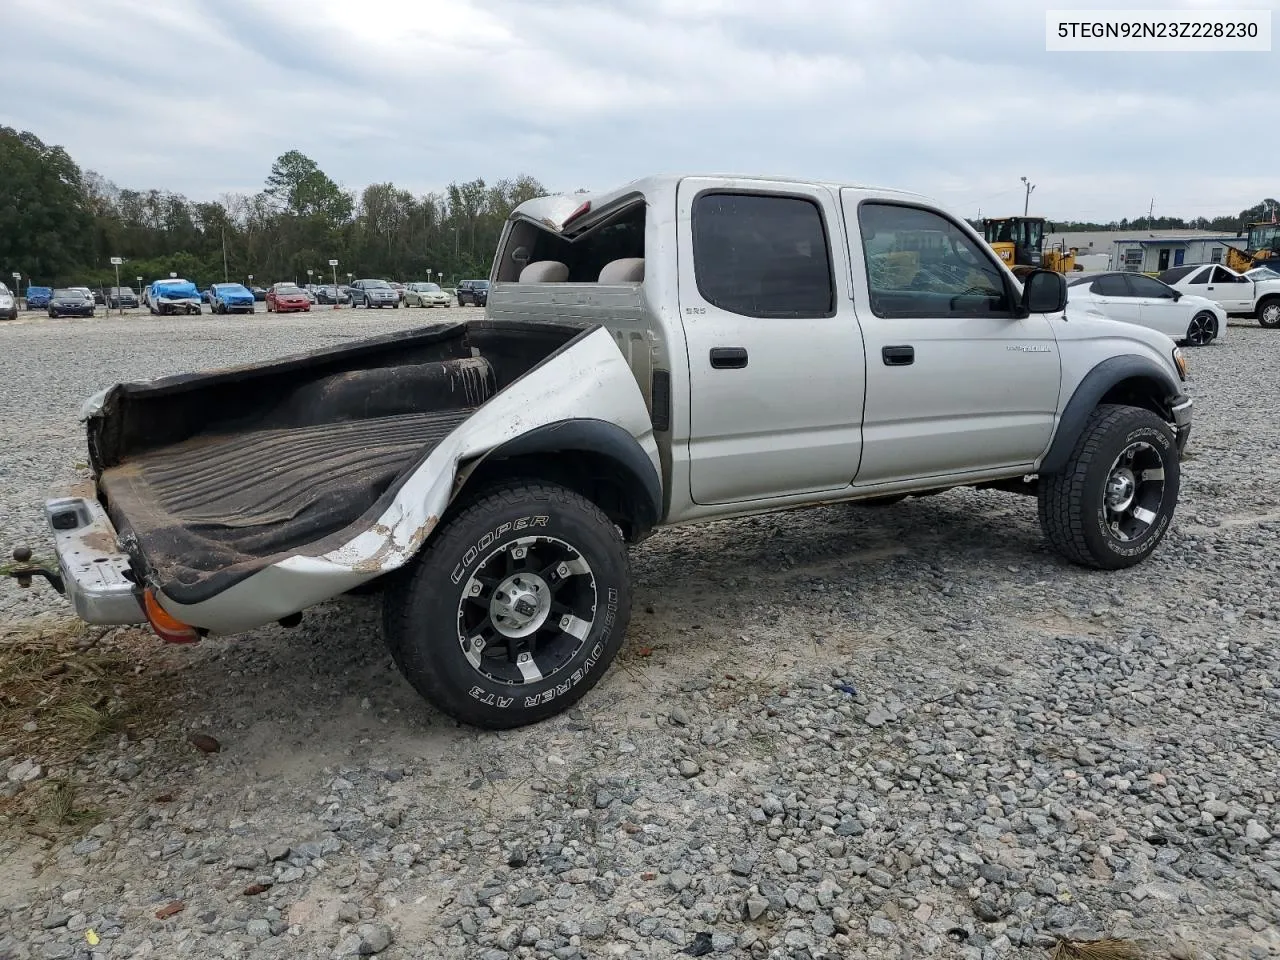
(545, 271)
(626, 270)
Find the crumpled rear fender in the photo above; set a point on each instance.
(588, 378)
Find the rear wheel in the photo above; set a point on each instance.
(1269, 313)
(1113, 501)
(516, 608)
(1203, 329)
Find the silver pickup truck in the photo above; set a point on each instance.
(680, 349)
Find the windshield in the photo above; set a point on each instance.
(67, 294)
(229, 288)
(3, 289)
(1264, 236)
(1015, 230)
(1262, 273)
(482, 284)
(377, 285)
(288, 288)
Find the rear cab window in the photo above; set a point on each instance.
(615, 234)
(762, 255)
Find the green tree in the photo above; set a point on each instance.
(45, 223)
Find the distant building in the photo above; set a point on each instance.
(1140, 254)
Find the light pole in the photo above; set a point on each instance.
(333, 265)
(310, 282)
(1026, 204)
(115, 262)
(17, 286)
(139, 279)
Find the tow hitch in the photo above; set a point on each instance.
(24, 570)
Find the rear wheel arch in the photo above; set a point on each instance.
(1129, 380)
(594, 458)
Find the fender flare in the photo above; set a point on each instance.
(602, 439)
(1089, 393)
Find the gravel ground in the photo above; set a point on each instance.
(884, 732)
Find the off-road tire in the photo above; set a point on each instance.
(1268, 313)
(1072, 510)
(422, 603)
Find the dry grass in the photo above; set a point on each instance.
(77, 685)
(1109, 949)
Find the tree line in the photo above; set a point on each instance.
(61, 225)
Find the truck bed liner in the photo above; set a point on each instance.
(229, 499)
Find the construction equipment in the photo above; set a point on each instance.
(1019, 242)
(1261, 250)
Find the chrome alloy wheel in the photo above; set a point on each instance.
(1134, 491)
(527, 610)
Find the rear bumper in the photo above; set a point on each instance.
(95, 570)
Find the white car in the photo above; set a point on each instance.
(1239, 294)
(1262, 273)
(1136, 298)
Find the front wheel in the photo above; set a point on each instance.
(1269, 313)
(1113, 501)
(515, 609)
(1203, 329)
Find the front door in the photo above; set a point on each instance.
(956, 382)
(1115, 298)
(1163, 263)
(776, 373)
(1232, 290)
(1178, 257)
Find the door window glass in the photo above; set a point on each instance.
(920, 264)
(762, 256)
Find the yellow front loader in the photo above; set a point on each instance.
(1019, 242)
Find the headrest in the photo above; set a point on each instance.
(627, 270)
(545, 271)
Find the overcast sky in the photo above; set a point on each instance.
(955, 100)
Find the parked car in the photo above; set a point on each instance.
(206, 295)
(1236, 293)
(231, 298)
(814, 343)
(374, 293)
(399, 288)
(71, 302)
(1136, 298)
(100, 297)
(121, 298)
(259, 294)
(474, 292)
(8, 304)
(87, 291)
(287, 298)
(170, 296)
(426, 295)
(331, 294)
(38, 297)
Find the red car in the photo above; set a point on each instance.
(287, 298)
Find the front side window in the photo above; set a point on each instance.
(920, 264)
(1150, 288)
(1220, 275)
(762, 256)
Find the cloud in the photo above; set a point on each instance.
(953, 100)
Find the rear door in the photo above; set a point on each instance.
(776, 371)
(956, 382)
(1115, 299)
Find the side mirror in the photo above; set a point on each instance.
(1044, 291)
(1177, 295)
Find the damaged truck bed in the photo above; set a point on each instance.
(210, 479)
